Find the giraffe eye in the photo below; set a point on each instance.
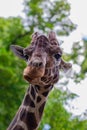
(57, 56)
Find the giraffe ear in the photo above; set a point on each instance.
(65, 66)
(18, 51)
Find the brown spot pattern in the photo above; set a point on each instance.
(28, 101)
(18, 128)
(38, 99)
(32, 92)
(41, 109)
(29, 119)
(45, 93)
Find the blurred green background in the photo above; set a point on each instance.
(43, 16)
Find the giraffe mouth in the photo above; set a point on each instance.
(26, 77)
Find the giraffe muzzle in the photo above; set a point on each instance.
(30, 73)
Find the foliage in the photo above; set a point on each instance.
(46, 15)
(79, 54)
(10, 74)
(57, 117)
(10, 29)
(41, 15)
(10, 98)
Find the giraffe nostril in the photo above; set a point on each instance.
(37, 64)
(40, 64)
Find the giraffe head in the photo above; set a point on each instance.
(43, 59)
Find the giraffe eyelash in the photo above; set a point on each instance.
(26, 57)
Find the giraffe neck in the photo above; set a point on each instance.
(30, 112)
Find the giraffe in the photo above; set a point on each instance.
(44, 60)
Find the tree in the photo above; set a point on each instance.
(46, 15)
(41, 15)
(79, 54)
(10, 98)
(57, 117)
